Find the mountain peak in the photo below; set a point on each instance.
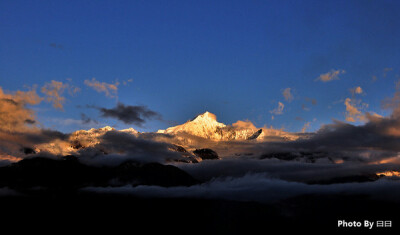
(205, 116)
(203, 125)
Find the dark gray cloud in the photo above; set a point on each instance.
(377, 134)
(12, 144)
(45, 136)
(86, 120)
(129, 114)
(116, 147)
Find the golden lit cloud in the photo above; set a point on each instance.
(54, 91)
(127, 81)
(330, 76)
(389, 173)
(356, 90)
(305, 127)
(109, 89)
(13, 111)
(353, 112)
(244, 125)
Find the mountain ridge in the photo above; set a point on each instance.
(200, 132)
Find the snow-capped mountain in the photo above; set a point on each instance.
(201, 132)
(89, 138)
(77, 140)
(206, 126)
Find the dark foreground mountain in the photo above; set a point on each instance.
(48, 198)
(68, 174)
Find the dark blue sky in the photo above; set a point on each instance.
(232, 58)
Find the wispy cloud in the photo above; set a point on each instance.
(109, 89)
(287, 94)
(311, 100)
(279, 109)
(127, 81)
(356, 90)
(330, 76)
(54, 92)
(393, 103)
(305, 127)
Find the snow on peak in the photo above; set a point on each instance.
(204, 125)
(207, 116)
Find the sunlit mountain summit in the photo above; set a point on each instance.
(200, 132)
(205, 125)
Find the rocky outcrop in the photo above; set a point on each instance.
(206, 154)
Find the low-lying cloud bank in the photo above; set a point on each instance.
(260, 188)
(286, 170)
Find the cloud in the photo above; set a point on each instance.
(117, 147)
(244, 125)
(87, 120)
(353, 113)
(376, 140)
(109, 89)
(19, 128)
(54, 91)
(393, 103)
(16, 120)
(14, 114)
(287, 94)
(312, 101)
(279, 109)
(330, 76)
(129, 114)
(45, 136)
(356, 90)
(127, 81)
(259, 188)
(84, 121)
(305, 108)
(305, 127)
